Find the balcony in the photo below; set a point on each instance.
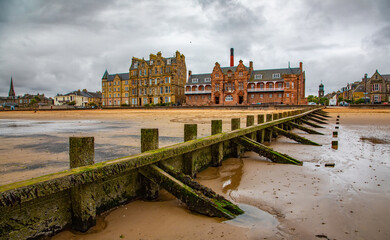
(198, 92)
(265, 89)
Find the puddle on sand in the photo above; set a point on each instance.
(261, 223)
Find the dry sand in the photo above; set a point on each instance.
(349, 201)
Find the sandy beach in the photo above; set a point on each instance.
(348, 201)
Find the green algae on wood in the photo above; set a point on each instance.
(217, 149)
(195, 200)
(315, 120)
(310, 123)
(308, 130)
(267, 152)
(295, 137)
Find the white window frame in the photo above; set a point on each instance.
(151, 62)
(194, 80)
(207, 80)
(229, 98)
(168, 61)
(258, 76)
(275, 75)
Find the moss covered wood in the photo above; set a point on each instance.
(27, 190)
(149, 142)
(265, 151)
(82, 153)
(190, 133)
(237, 149)
(268, 132)
(308, 130)
(195, 200)
(318, 117)
(250, 121)
(260, 134)
(310, 123)
(295, 137)
(315, 120)
(217, 149)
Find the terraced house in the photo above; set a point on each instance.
(242, 85)
(158, 80)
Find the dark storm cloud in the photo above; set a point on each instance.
(60, 46)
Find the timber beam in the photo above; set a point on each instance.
(265, 151)
(322, 113)
(310, 123)
(295, 137)
(315, 120)
(211, 204)
(318, 117)
(308, 130)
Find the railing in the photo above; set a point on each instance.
(198, 92)
(265, 89)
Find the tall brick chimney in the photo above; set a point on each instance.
(300, 66)
(189, 73)
(231, 57)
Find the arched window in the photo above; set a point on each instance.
(228, 98)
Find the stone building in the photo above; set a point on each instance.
(378, 88)
(79, 99)
(242, 85)
(158, 80)
(24, 101)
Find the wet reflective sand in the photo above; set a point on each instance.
(348, 201)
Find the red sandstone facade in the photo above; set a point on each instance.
(241, 85)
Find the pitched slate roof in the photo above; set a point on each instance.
(359, 88)
(386, 77)
(122, 76)
(173, 60)
(85, 94)
(200, 77)
(267, 73)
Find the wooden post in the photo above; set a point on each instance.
(260, 134)
(250, 121)
(335, 145)
(217, 149)
(149, 141)
(81, 153)
(268, 132)
(237, 149)
(274, 133)
(336, 127)
(335, 134)
(190, 133)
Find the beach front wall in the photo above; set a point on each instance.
(42, 206)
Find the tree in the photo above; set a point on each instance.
(340, 99)
(72, 103)
(312, 98)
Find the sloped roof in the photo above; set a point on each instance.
(359, 88)
(173, 60)
(267, 73)
(200, 77)
(386, 77)
(122, 76)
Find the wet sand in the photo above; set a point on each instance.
(349, 201)
(36, 143)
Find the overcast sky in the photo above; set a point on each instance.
(57, 46)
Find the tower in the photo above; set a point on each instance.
(321, 91)
(11, 93)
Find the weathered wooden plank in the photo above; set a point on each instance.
(265, 151)
(195, 200)
(308, 130)
(310, 123)
(315, 120)
(295, 137)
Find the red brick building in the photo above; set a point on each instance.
(242, 85)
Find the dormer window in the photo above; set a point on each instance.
(136, 65)
(151, 62)
(276, 75)
(229, 74)
(240, 74)
(207, 79)
(216, 75)
(194, 80)
(258, 76)
(169, 61)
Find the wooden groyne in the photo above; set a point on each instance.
(45, 205)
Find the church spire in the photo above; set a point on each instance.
(11, 92)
